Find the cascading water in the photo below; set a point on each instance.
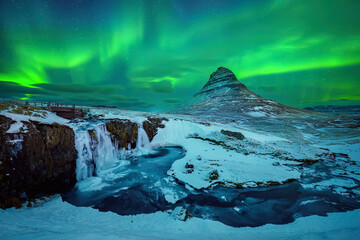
(143, 141)
(85, 162)
(106, 153)
(98, 152)
(94, 154)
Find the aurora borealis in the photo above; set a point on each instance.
(152, 54)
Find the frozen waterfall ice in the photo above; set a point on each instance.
(94, 154)
(143, 141)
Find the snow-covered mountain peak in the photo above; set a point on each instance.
(222, 78)
(223, 94)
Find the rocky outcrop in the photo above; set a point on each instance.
(123, 132)
(35, 162)
(152, 124)
(237, 135)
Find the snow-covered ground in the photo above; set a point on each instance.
(274, 151)
(234, 168)
(19, 113)
(60, 220)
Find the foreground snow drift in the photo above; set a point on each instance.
(59, 220)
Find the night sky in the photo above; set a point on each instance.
(152, 54)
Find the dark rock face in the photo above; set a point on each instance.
(151, 126)
(237, 135)
(123, 132)
(37, 162)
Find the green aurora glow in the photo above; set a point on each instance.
(152, 54)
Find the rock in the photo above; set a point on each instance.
(214, 175)
(123, 132)
(188, 165)
(38, 162)
(5, 124)
(152, 124)
(237, 135)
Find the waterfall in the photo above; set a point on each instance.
(96, 154)
(143, 141)
(85, 162)
(106, 153)
(96, 151)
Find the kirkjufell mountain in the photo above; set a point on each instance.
(224, 94)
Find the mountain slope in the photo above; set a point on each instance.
(224, 94)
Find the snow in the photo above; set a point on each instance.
(46, 117)
(16, 128)
(353, 149)
(59, 220)
(308, 201)
(256, 114)
(233, 167)
(105, 113)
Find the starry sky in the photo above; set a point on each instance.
(153, 54)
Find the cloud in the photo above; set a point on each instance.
(130, 102)
(12, 90)
(171, 100)
(77, 88)
(164, 86)
(124, 99)
(88, 99)
(12, 87)
(136, 105)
